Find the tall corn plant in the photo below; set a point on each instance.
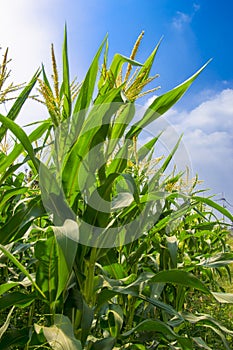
(101, 275)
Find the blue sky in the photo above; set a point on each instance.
(193, 32)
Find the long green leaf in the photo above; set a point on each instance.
(206, 319)
(162, 104)
(67, 238)
(21, 267)
(16, 299)
(18, 148)
(22, 137)
(15, 338)
(15, 109)
(47, 272)
(214, 205)
(6, 323)
(11, 193)
(66, 79)
(201, 343)
(218, 260)
(104, 344)
(60, 335)
(118, 61)
(91, 128)
(148, 147)
(153, 326)
(86, 92)
(18, 224)
(7, 286)
(180, 277)
(225, 298)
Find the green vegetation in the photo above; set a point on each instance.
(147, 272)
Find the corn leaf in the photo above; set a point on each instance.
(17, 299)
(47, 271)
(180, 277)
(6, 323)
(15, 109)
(60, 335)
(67, 238)
(22, 136)
(86, 92)
(18, 223)
(162, 104)
(104, 344)
(214, 205)
(7, 286)
(21, 268)
(19, 148)
(150, 326)
(66, 79)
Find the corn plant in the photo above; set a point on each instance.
(100, 249)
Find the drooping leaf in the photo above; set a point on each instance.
(225, 298)
(21, 267)
(214, 205)
(16, 299)
(115, 320)
(152, 325)
(104, 344)
(4, 327)
(8, 194)
(180, 277)
(201, 343)
(18, 223)
(60, 336)
(218, 260)
(7, 286)
(18, 149)
(14, 337)
(22, 137)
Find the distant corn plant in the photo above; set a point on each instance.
(5, 91)
(65, 286)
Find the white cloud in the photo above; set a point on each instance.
(208, 140)
(214, 114)
(181, 18)
(28, 28)
(196, 7)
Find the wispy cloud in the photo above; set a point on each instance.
(196, 7)
(181, 19)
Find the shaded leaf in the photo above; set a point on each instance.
(21, 267)
(181, 277)
(16, 299)
(60, 336)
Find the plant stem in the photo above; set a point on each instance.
(89, 282)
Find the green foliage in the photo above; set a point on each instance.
(133, 290)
